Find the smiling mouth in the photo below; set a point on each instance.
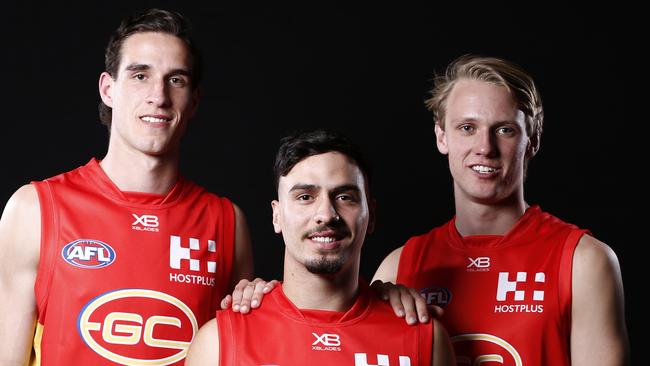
(484, 169)
(151, 119)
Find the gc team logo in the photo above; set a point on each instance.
(108, 327)
(88, 253)
(479, 348)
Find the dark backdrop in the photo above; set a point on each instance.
(361, 70)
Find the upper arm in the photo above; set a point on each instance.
(598, 333)
(20, 233)
(204, 349)
(443, 353)
(243, 264)
(387, 271)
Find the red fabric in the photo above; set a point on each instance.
(137, 307)
(463, 276)
(280, 334)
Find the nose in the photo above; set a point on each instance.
(158, 94)
(326, 212)
(485, 143)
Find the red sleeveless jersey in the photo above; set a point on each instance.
(127, 278)
(280, 334)
(507, 299)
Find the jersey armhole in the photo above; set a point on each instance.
(404, 268)
(425, 348)
(227, 342)
(565, 277)
(226, 231)
(47, 258)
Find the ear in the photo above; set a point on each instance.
(275, 206)
(441, 140)
(372, 207)
(533, 145)
(106, 88)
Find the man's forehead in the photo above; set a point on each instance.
(149, 48)
(330, 169)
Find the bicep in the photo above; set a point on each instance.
(243, 257)
(387, 271)
(598, 334)
(19, 255)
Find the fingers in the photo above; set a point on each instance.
(226, 302)
(380, 287)
(248, 295)
(237, 294)
(436, 311)
(258, 292)
(421, 307)
(406, 302)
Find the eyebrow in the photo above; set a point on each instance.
(143, 67)
(336, 190)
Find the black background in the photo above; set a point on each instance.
(363, 70)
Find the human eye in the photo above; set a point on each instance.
(303, 197)
(178, 81)
(139, 76)
(506, 130)
(347, 198)
(466, 128)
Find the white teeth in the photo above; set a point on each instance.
(323, 239)
(483, 169)
(154, 119)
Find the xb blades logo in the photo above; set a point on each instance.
(480, 264)
(328, 340)
(145, 220)
(145, 223)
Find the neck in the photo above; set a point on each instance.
(478, 218)
(333, 292)
(137, 172)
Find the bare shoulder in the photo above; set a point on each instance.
(592, 256)
(443, 353)
(204, 349)
(387, 271)
(20, 226)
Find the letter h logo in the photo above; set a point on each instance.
(178, 253)
(506, 286)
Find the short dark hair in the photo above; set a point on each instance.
(297, 147)
(151, 20)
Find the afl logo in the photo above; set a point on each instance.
(88, 253)
(137, 327)
(479, 348)
(436, 295)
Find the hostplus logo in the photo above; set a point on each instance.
(181, 257)
(512, 293)
(361, 359)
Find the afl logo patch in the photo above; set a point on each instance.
(436, 295)
(88, 253)
(138, 327)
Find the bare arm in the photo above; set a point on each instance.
(243, 265)
(598, 333)
(406, 302)
(245, 294)
(387, 271)
(204, 350)
(443, 353)
(20, 233)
